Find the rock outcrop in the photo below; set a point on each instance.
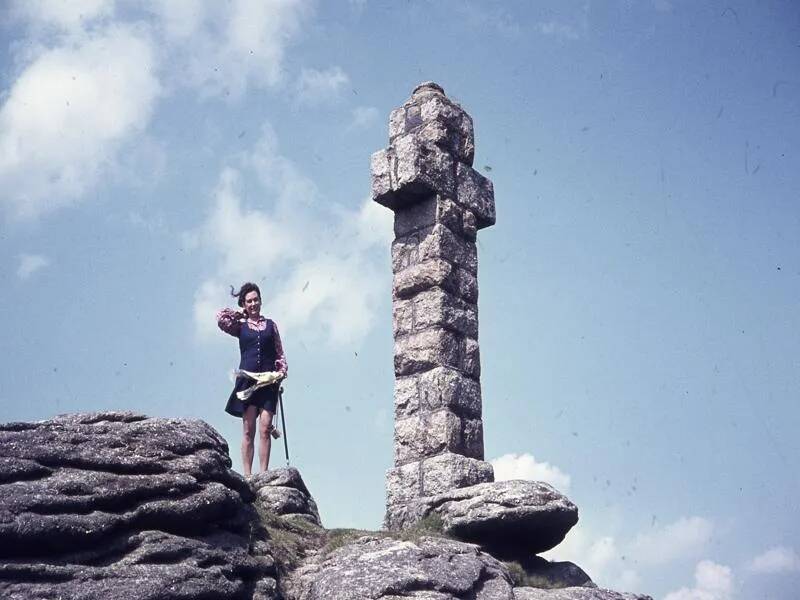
(120, 505)
(573, 593)
(372, 568)
(509, 519)
(125, 506)
(284, 492)
(536, 571)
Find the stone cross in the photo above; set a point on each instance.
(440, 202)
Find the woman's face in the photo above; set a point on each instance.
(252, 303)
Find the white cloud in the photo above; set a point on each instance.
(600, 556)
(615, 563)
(525, 466)
(68, 114)
(224, 48)
(316, 88)
(780, 559)
(88, 82)
(30, 264)
(364, 116)
(71, 16)
(320, 263)
(712, 582)
(685, 537)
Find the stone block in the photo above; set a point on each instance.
(402, 317)
(405, 250)
(416, 170)
(416, 216)
(426, 213)
(471, 358)
(397, 122)
(448, 213)
(403, 483)
(441, 242)
(476, 193)
(467, 286)
(443, 387)
(423, 276)
(431, 243)
(436, 389)
(469, 229)
(422, 168)
(402, 515)
(424, 435)
(458, 135)
(426, 350)
(406, 396)
(438, 120)
(435, 307)
(380, 173)
(448, 471)
(472, 438)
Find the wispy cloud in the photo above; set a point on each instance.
(617, 563)
(712, 581)
(89, 80)
(320, 261)
(569, 27)
(688, 536)
(364, 116)
(318, 88)
(222, 49)
(779, 559)
(69, 113)
(30, 264)
(600, 556)
(525, 466)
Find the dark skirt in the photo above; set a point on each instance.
(265, 398)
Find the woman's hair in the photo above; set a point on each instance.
(243, 291)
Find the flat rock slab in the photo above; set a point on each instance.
(574, 593)
(120, 505)
(373, 568)
(284, 492)
(510, 519)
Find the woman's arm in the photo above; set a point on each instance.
(280, 358)
(229, 321)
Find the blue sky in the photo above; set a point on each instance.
(639, 293)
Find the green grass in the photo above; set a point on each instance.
(522, 578)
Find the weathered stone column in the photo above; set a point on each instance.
(440, 202)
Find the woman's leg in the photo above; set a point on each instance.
(264, 438)
(249, 430)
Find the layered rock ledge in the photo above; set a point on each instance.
(120, 505)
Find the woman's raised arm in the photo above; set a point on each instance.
(229, 321)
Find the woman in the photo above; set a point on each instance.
(261, 351)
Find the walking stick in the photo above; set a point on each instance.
(283, 423)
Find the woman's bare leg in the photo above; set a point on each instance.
(264, 438)
(249, 430)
